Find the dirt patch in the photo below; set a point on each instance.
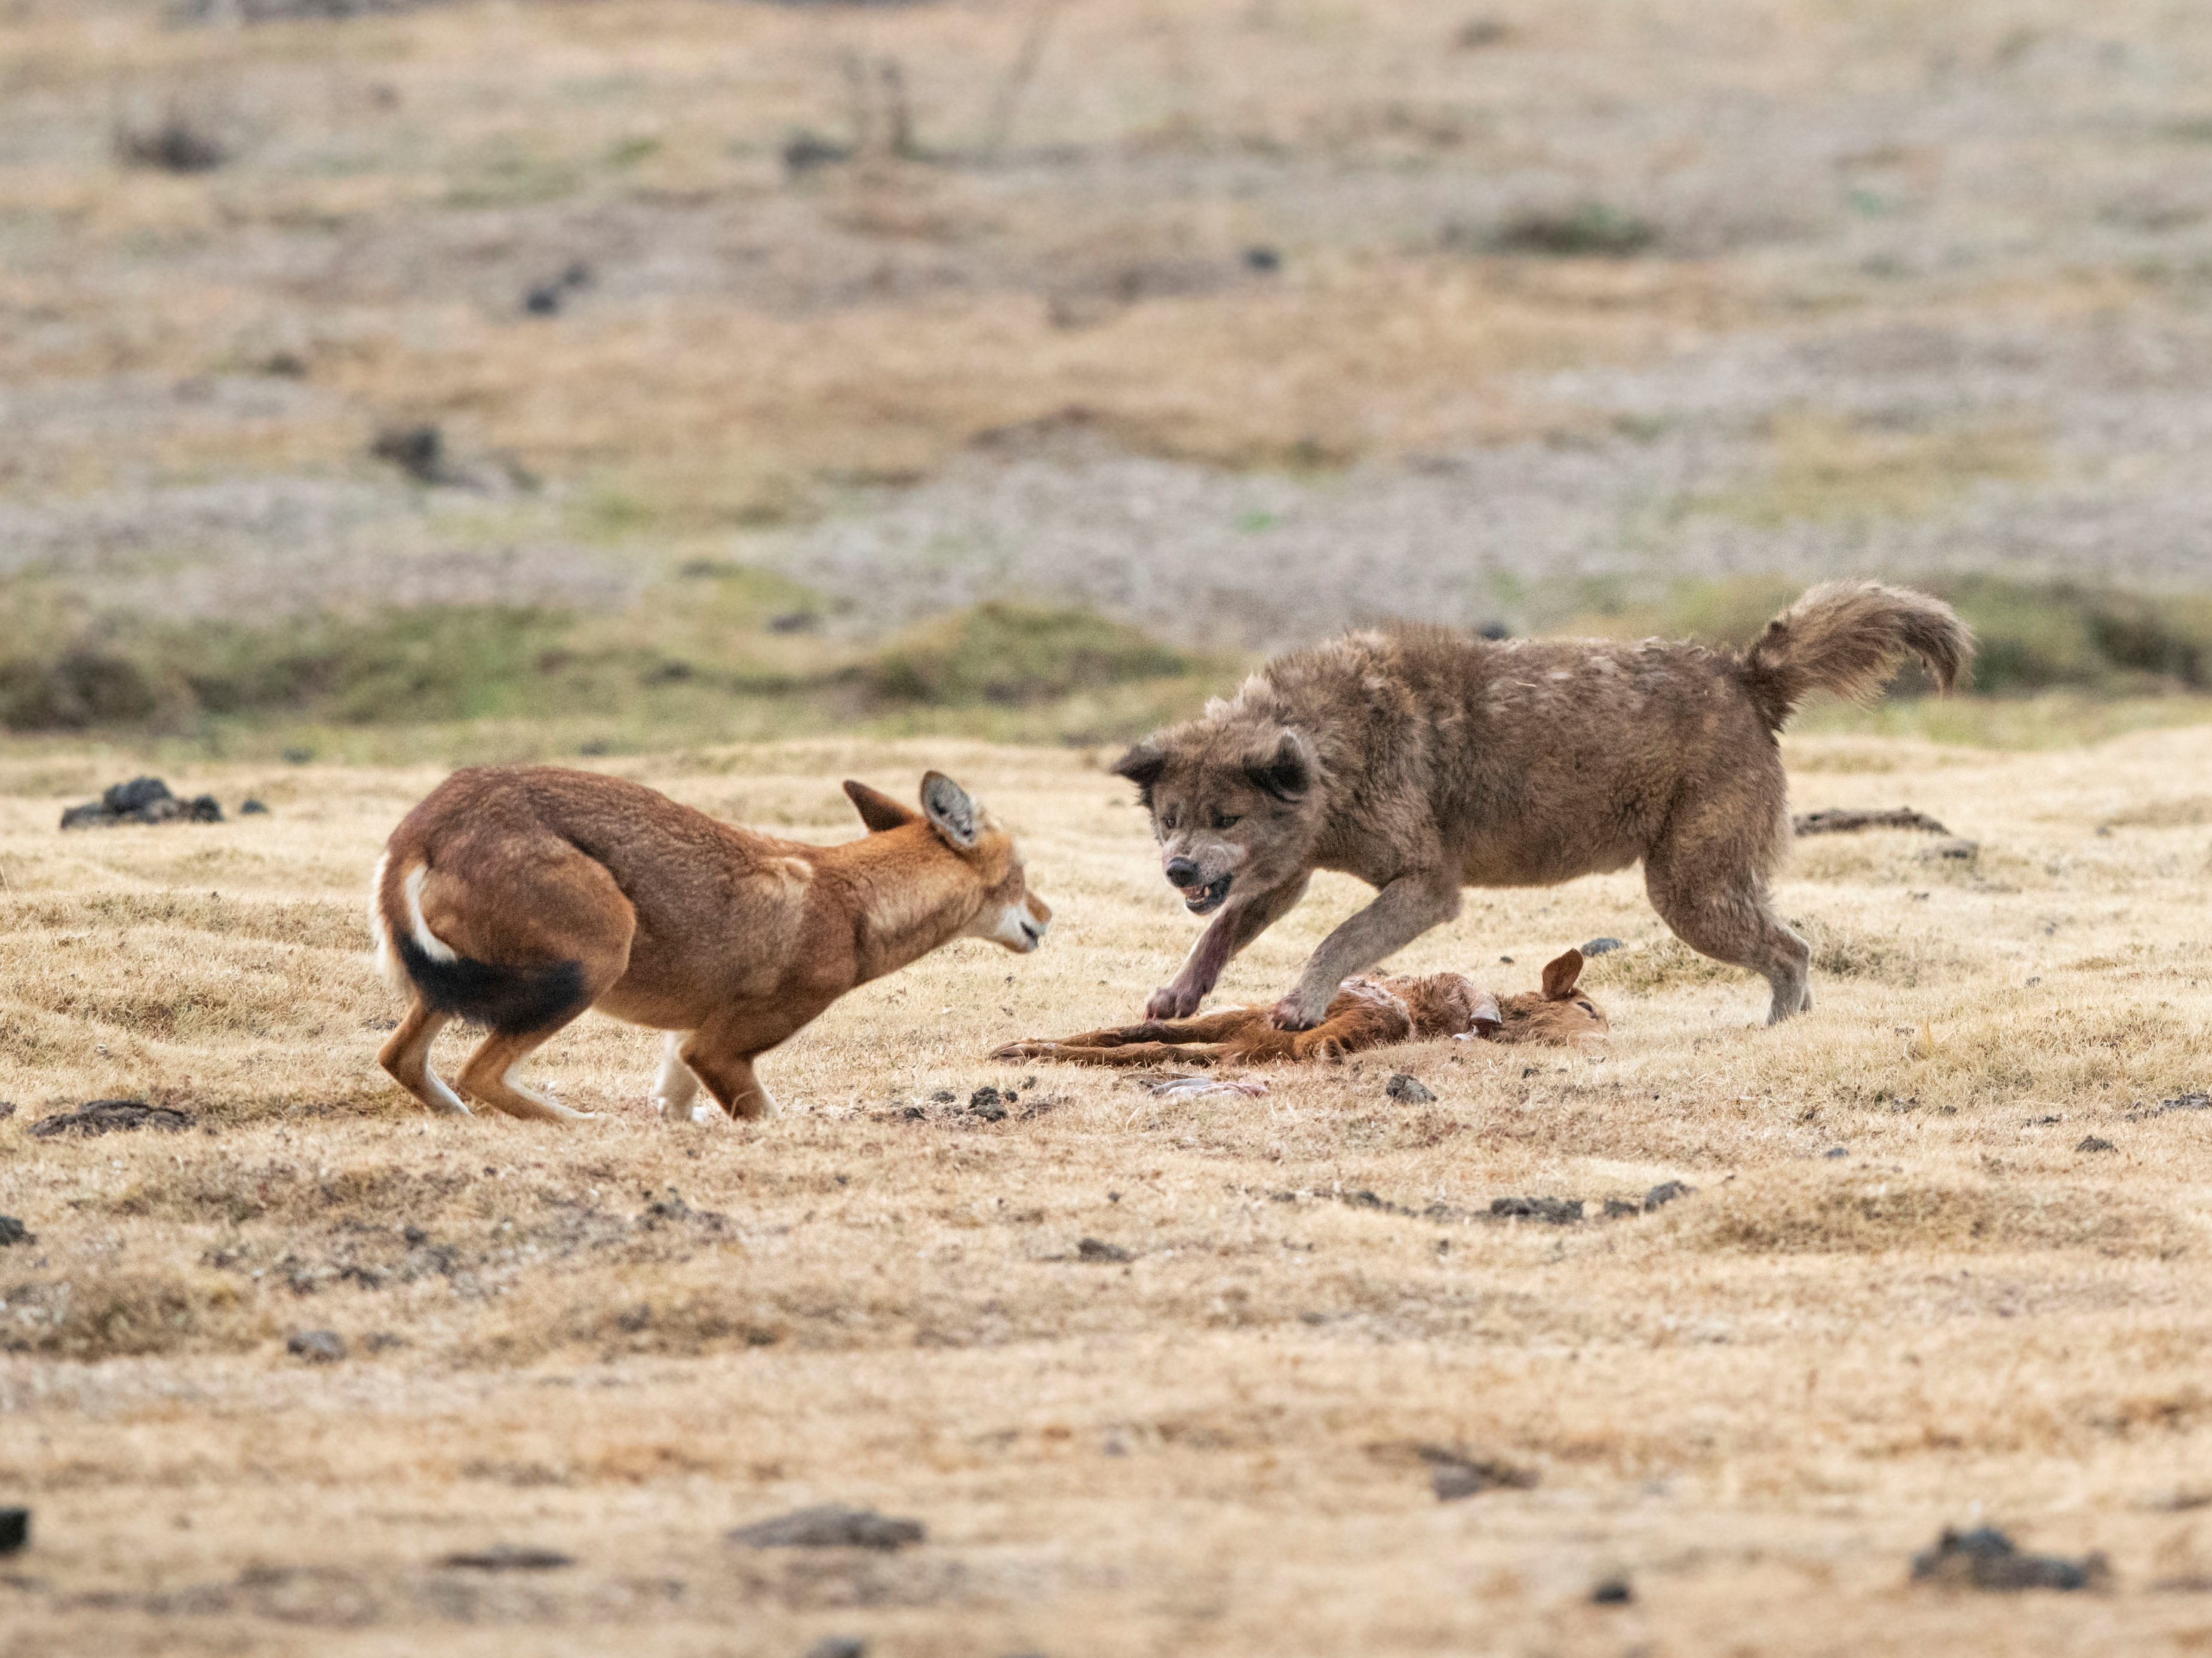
(112, 1117)
(1871, 1213)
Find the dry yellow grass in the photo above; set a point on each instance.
(1756, 1402)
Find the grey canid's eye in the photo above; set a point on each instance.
(1223, 820)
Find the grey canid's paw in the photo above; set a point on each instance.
(1172, 1002)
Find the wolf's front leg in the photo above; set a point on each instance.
(1241, 921)
(1401, 913)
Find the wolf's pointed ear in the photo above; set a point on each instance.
(1142, 765)
(948, 808)
(878, 810)
(1561, 973)
(1285, 770)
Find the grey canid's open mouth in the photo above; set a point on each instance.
(1202, 901)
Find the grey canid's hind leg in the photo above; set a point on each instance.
(1716, 900)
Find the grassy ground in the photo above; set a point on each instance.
(1901, 1296)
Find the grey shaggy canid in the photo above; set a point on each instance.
(1423, 760)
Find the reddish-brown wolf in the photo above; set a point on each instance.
(518, 897)
(1423, 760)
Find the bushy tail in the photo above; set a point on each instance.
(1847, 637)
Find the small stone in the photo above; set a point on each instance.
(1409, 1090)
(1985, 1558)
(1459, 1476)
(1615, 1591)
(12, 1231)
(297, 756)
(839, 1646)
(1555, 1212)
(829, 1526)
(1099, 1249)
(988, 1103)
(509, 1557)
(1264, 260)
(2096, 1142)
(317, 1346)
(1836, 1151)
(252, 808)
(1601, 946)
(15, 1530)
(944, 1097)
(1665, 1192)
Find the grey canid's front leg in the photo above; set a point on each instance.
(1241, 921)
(1401, 912)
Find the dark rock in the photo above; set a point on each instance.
(1836, 1151)
(13, 1231)
(1265, 260)
(418, 450)
(1619, 1208)
(2178, 1103)
(988, 1104)
(141, 800)
(839, 1646)
(6, 1109)
(136, 798)
(1556, 1211)
(15, 1530)
(297, 756)
(829, 1526)
(544, 299)
(252, 808)
(1954, 850)
(1601, 946)
(944, 1095)
(804, 151)
(178, 142)
(1494, 631)
(2096, 1142)
(794, 622)
(1665, 1192)
(1615, 1591)
(1409, 1090)
(1458, 1475)
(1985, 1558)
(509, 1557)
(317, 1346)
(111, 1117)
(1845, 820)
(1099, 1249)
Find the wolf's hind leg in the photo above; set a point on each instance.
(406, 1057)
(677, 1086)
(489, 1076)
(1724, 914)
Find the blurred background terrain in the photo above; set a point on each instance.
(389, 379)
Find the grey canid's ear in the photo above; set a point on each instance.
(878, 810)
(1285, 770)
(1142, 765)
(950, 811)
(1561, 973)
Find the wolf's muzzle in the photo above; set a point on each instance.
(1204, 900)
